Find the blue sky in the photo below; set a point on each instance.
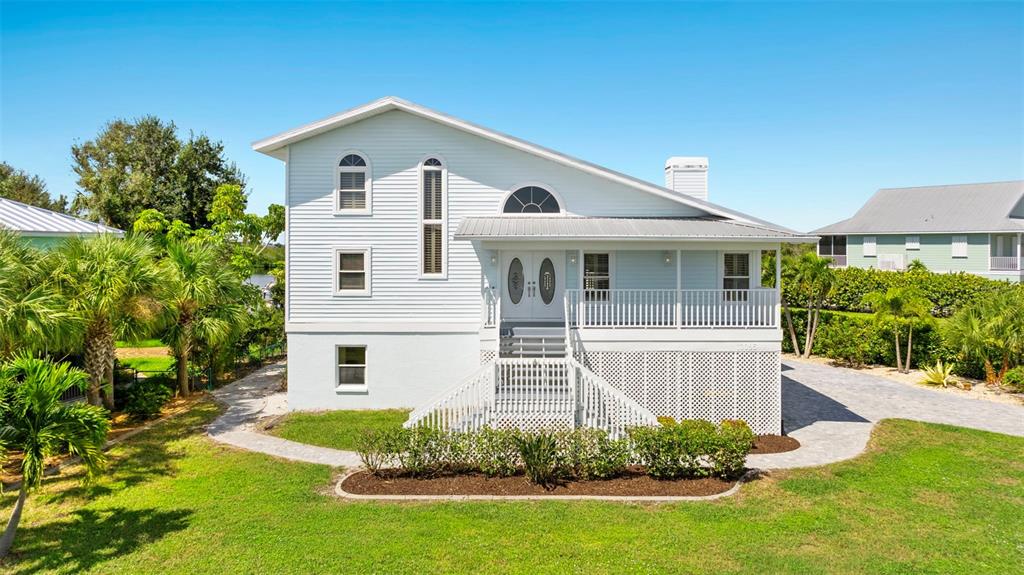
(804, 109)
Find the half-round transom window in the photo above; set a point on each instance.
(352, 160)
(531, 200)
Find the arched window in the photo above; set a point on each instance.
(531, 200)
(433, 217)
(353, 184)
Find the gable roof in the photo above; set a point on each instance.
(275, 146)
(987, 207)
(35, 221)
(605, 228)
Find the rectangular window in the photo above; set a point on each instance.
(596, 272)
(351, 189)
(737, 271)
(870, 247)
(839, 245)
(913, 242)
(351, 366)
(432, 233)
(825, 246)
(959, 246)
(352, 271)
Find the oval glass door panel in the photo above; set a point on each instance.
(547, 281)
(516, 281)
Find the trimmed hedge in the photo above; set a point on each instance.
(947, 292)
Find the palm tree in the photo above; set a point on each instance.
(991, 330)
(32, 313)
(971, 334)
(816, 279)
(34, 421)
(112, 284)
(201, 301)
(899, 306)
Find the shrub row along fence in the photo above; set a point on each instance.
(688, 449)
(947, 291)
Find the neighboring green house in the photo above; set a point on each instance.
(43, 228)
(974, 228)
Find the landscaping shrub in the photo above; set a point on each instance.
(146, 397)
(378, 448)
(495, 451)
(541, 461)
(735, 440)
(939, 374)
(1014, 379)
(676, 450)
(592, 454)
(423, 451)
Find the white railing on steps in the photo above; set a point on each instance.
(532, 394)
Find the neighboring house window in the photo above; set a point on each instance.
(433, 192)
(351, 366)
(913, 242)
(870, 247)
(531, 200)
(353, 194)
(833, 247)
(959, 246)
(352, 271)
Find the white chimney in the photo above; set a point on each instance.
(687, 175)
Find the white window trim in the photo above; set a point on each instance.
(368, 170)
(750, 269)
(611, 267)
(422, 222)
(561, 203)
(367, 270)
(954, 244)
(350, 387)
(914, 245)
(874, 246)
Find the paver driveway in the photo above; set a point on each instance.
(831, 412)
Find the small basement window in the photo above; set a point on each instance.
(351, 366)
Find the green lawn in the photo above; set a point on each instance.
(151, 363)
(337, 429)
(926, 499)
(141, 343)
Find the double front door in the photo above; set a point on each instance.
(533, 286)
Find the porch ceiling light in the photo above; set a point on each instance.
(668, 257)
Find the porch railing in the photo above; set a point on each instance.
(1004, 263)
(491, 308)
(670, 308)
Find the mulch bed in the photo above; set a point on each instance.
(774, 444)
(634, 483)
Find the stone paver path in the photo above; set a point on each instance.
(258, 395)
(831, 412)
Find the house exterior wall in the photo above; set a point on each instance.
(480, 174)
(936, 253)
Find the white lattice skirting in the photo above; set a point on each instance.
(487, 355)
(711, 385)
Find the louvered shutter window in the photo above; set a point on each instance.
(959, 246)
(433, 216)
(737, 271)
(870, 247)
(352, 183)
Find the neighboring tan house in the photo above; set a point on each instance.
(972, 228)
(44, 228)
(484, 280)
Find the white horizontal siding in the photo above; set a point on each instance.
(700, 270)
(480, 174)
(644, 270)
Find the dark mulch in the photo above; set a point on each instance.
(774, 444)
(634, 483)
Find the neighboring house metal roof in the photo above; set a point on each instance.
(596, 228)
(35, 221)
(988, 207)
(275, 145)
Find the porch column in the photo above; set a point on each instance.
(1019, 236)
(679, 289)
(778, 285)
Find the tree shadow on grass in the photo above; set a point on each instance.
(90, 537)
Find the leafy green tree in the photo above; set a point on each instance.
(816, 279)
(112, 284)
(140, 164)
(33, 316)
(35, 422)
(200, 299)
(900, 307)
(22, 187)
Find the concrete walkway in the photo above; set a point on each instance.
(258, 395)
(831, 412)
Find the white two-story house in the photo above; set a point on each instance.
(484, 280)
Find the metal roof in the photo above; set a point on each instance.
(990, 207)
(35, 221)
(595, 228)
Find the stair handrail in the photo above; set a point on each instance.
(629, 412)
(485, 374)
